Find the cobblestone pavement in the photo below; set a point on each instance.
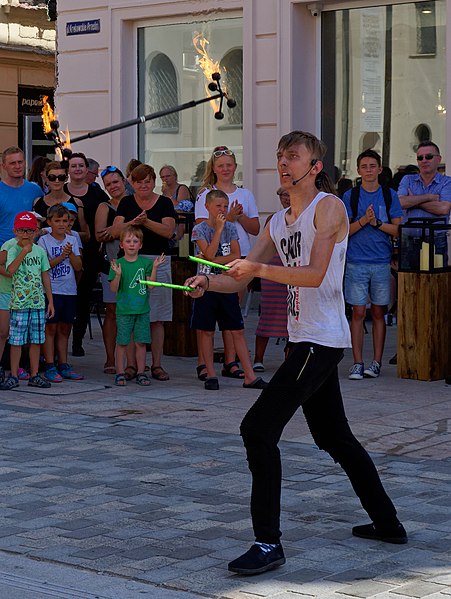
(150, 486)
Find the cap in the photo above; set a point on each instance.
(25, 220)
(71, 207)
(38, 216)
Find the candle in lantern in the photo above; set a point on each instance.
(438, 260)
(424, 256)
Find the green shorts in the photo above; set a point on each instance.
(136, 324)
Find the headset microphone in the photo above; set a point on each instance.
(312, 164)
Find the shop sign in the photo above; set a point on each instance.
(30, 99)
(82, 27)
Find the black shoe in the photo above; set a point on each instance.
(259, 383)
(395, 534)
(78, 351)
(256, 560)
(211, 384)
(393, 360)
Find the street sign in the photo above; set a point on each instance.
(83, 27)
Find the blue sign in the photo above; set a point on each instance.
(82, 27)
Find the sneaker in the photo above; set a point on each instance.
(257, 560)
(78, 351)
(11, 383)
(38, 381)
(51, 375)
(67, 372)
(356, 371)
(396, 534)
(23, 375)
(373, 370)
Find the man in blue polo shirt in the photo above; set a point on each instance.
(375, 214)
(426, 194)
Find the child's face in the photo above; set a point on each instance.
(131, 245)
(72, 219)
(59, 224)
(217, 206)
(25, 236)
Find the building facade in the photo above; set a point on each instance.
(359, 73)
(27, 72)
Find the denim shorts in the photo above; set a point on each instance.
(367, 280)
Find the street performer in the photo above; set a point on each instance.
(311, 238)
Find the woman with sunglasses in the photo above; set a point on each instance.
(156, 216)
(114, 183)
(56, 177)
(243, 212)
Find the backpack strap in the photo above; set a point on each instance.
(386, 191)
(355, 194)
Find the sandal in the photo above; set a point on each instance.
(38, 381)
(142, 379)
(202, 376)
(259, 383)
(109, 370)
(120, 379)
(130, 373)
(211, 384)
(235, 374)
(159, 373)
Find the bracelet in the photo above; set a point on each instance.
(361, 226)
(208, 280)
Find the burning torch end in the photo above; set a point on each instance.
(212, 86)
(216, 76)
(54, 125)
(219, 115)
(231, 103)
(67, 153)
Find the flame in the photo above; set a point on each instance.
(47, 115)
(207, 65)
(66, 140)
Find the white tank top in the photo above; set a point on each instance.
(314, 314)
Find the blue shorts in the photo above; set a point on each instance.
(5, 300)
(363, 280)
(27, 326)
(221, 308)
(65, 309)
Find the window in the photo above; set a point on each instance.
(169, 74)
(426, 34)
(162, 93)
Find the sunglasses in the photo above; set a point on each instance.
(54, 178)
(26, 231)
(109, 169)
(421, 157)
(223, 152)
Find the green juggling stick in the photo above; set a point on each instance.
(170, 285)
(208, 263)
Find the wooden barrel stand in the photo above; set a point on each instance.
(424, 325)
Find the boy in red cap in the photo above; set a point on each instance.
(28, 266)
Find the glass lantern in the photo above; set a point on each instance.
(425, 246)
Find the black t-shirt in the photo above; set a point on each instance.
(91, 200)
(163, 208)
(41, 208)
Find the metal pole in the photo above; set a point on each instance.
(144, 118)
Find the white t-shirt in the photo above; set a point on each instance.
(62, 276)
(314, 314)
(246, 199)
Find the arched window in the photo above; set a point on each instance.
(232, 67)
(163, 92)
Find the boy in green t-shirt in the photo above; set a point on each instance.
(28, 266)
(132, 301)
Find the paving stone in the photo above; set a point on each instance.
(418, 589)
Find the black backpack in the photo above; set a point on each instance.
(355, 194)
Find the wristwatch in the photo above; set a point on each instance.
(378, 224)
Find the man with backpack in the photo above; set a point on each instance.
(375, 214)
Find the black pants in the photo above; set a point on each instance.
(308, 378)
(84, 293)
